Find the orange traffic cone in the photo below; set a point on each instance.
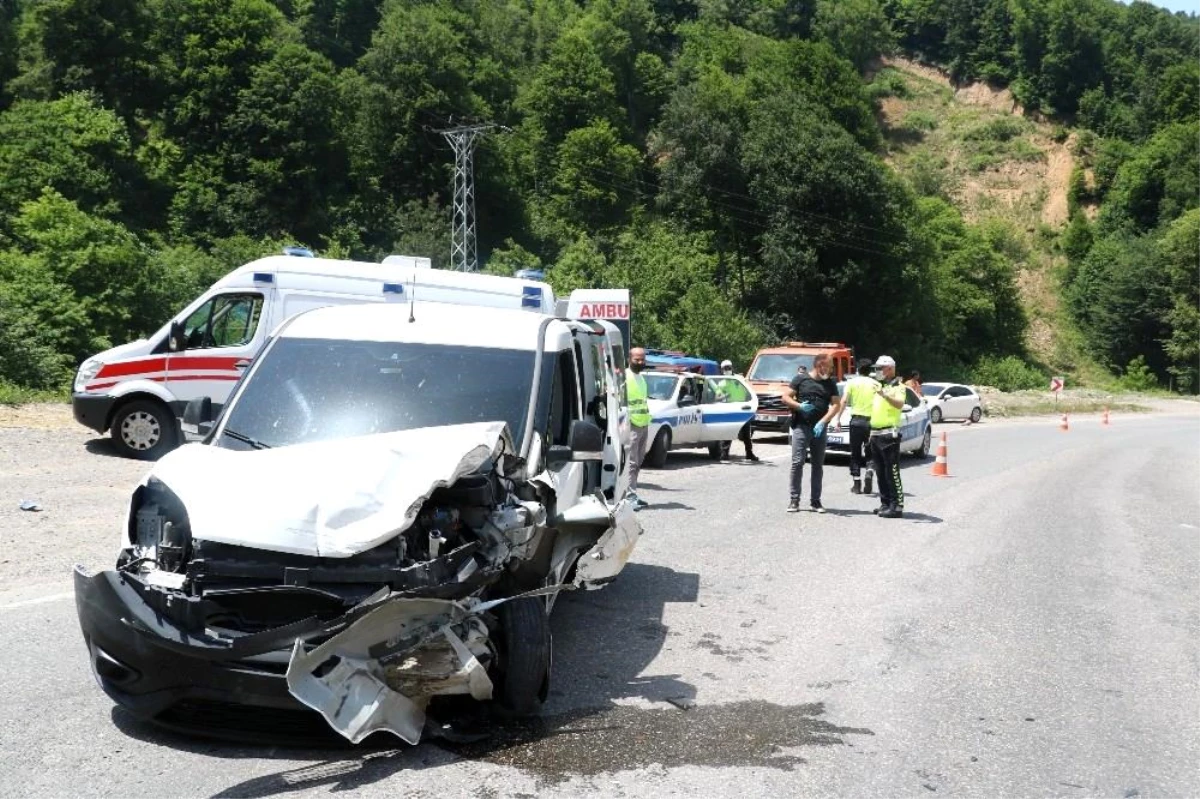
(1105, 422)
(940, 467)
(1064, 425)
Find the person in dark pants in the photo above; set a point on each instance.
(886, 414)
(746, 434)
(814, 400)
(859, 396)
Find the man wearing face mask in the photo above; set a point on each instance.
(814, 400)
(639, 419)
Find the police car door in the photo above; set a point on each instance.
(685, 426)
(728, 404)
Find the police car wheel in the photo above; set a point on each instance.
(935, 415)
(926, 442)
(143, 430)
(656, 458)
(714, 450)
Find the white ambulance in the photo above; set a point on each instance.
(138, 389)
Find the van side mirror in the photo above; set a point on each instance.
(176, 341)
(198, 417)
(586, 443)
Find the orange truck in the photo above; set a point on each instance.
(774, 367)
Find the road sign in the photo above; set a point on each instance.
(1057, 384)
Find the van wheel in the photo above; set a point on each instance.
(525, 656)
(143, 429)
(656, 458)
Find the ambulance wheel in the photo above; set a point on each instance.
(525, 656)
(144, 430)
(935, 415)
(656, 458)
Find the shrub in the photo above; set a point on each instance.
(919, 121)
(1009, 373)
(999, 129)
(887, 83)
(1138, 376)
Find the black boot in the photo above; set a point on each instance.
(857, 487)
(892, 512)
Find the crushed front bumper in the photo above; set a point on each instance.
(269, 685)
(143, 663)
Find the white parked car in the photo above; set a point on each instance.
(916, 434)
(952, 401)
(691, 410)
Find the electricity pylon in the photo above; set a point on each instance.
(463, 252)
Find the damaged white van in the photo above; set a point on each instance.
(382, 515)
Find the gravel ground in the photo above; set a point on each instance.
(79, 481)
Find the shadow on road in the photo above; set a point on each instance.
(102, 446)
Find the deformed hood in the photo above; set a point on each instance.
(329, 499)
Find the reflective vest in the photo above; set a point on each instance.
(883, 415)
(639, 405)
(860, 395)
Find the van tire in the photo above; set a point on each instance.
(144, 430)
(526, 654)
(656, 458)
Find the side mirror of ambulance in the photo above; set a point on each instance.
(198, 417)
(586, 444)
(175, 339)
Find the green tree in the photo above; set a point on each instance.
(858, 30)
(1179, 249)
(72, 145)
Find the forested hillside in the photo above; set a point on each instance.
(732, 162)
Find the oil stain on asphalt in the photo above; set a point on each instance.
(622, 737)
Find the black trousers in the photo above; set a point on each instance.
(860, 433)
(885, 452)
(745, 435)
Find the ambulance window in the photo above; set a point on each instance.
(228, 320)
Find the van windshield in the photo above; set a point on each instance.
(779, 367)
(309, 390)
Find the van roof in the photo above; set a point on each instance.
(435, 323)
(803, 347)
(281, 265)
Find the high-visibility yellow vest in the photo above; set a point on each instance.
(638, 396)
(860, 395)
(883, 414)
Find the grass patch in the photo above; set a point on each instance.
(1019, 405)
(19, 395)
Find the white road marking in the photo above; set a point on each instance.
(41, 600)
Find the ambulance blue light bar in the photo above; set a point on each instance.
(264, 277)
(393, 288)
(531, 296)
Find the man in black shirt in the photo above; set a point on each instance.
(814, 400)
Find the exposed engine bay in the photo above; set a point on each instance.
(362, 600)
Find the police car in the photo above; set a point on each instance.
(915, 432)
(694, 410)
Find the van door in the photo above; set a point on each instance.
(221, 338)
(728, 404)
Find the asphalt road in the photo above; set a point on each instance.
(1030, 629)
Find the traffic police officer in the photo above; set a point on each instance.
(886, 413)
(639, 419)
(860, 399)
(746, 433)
